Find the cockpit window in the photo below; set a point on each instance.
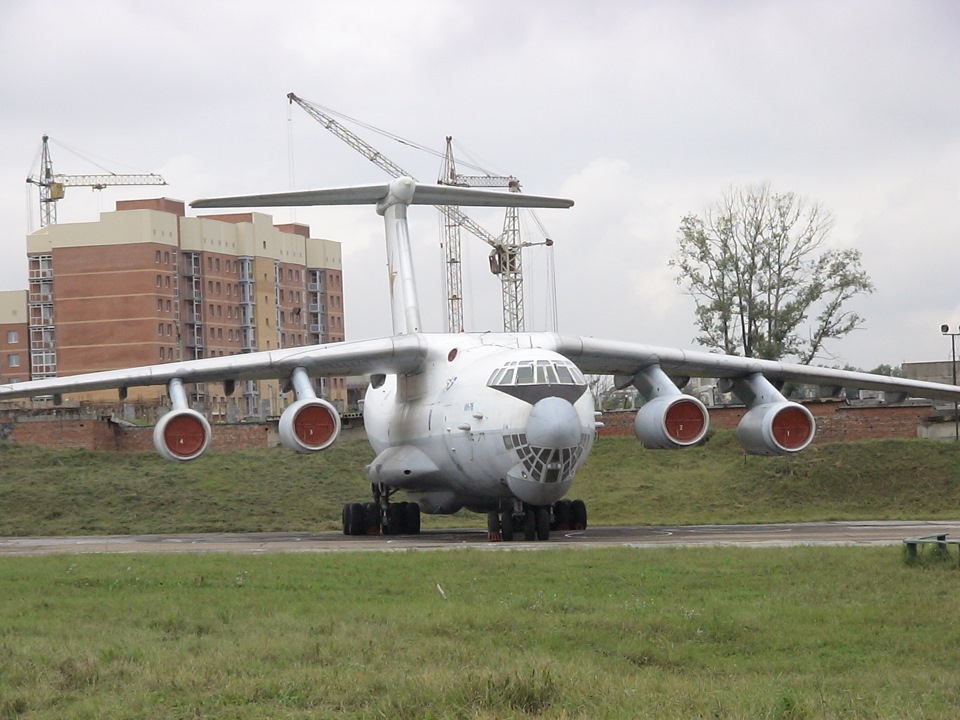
(540, 372)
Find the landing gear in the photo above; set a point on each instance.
(381, 516)
(537, 522)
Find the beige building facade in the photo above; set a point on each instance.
(146, 284)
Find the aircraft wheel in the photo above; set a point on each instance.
(493, 527)
(346, 518)
(562, 515)
(412, 518)
(371, 513)
(506, 526)
(529, 526)
(578, 514)
(542, 518)
(394, 520)
(358, 519)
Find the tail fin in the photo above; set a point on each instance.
(392, 200)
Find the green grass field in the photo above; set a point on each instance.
(48, 492)
(785, 633)
(618, 633)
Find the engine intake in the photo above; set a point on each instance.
(182, 435)
(671, 421)
(309, 425)
(779, 428)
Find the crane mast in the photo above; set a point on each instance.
(51, 185)
(506, 248)
(505, 258)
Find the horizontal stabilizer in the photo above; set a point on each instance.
(375, 194)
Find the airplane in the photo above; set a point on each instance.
(498, 423)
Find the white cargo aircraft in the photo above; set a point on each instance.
(497, 423)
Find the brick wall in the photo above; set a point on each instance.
(79, 428)
(85, 428)
(836, 420)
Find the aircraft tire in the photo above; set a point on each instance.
(562, 515)
(394, 520)
(412, 518)
(529, 526)
(542, 518)
(358, 519)
(506, 526)
(578, 513)
(371, 513)
(346, 518)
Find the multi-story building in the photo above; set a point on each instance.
(14, 338)
(146, 284)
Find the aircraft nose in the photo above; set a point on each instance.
(554, 424)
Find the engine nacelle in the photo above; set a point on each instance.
(309, 425)
(671, 421)
(182, 435)
(779, 428)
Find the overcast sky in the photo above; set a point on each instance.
(639, 111)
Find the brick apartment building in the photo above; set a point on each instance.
(146, 284)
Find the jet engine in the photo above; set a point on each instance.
(671, 421)
(778, 428)
(668, 419)
(309, 425)
(182, 434)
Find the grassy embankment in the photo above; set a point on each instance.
(658, 633)
(46, 492)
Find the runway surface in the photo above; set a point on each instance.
(826, 533)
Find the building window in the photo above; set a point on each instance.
(209, 263)
(158, 257)
(217, 264)
(166, 281)
(13, 337)
(166, 257)
(13, 360)
(161, 353)
(218, 287)
(159, 305)
(159, 328)
(159, 280)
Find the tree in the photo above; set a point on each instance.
(757, 269)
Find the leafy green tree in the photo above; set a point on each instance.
(757, 268)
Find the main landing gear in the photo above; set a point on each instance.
(381, 517)
(536, 522)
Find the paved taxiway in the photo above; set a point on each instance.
(827, 533)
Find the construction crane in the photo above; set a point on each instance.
(505, 258)
(52, 184)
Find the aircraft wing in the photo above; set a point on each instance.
(398, 354)
(374, 194)
(611, 357)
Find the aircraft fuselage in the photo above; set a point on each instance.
(487, 419)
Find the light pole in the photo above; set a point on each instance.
(945, 330)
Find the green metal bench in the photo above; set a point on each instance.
(939, 540)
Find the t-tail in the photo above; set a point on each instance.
(391, 201)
